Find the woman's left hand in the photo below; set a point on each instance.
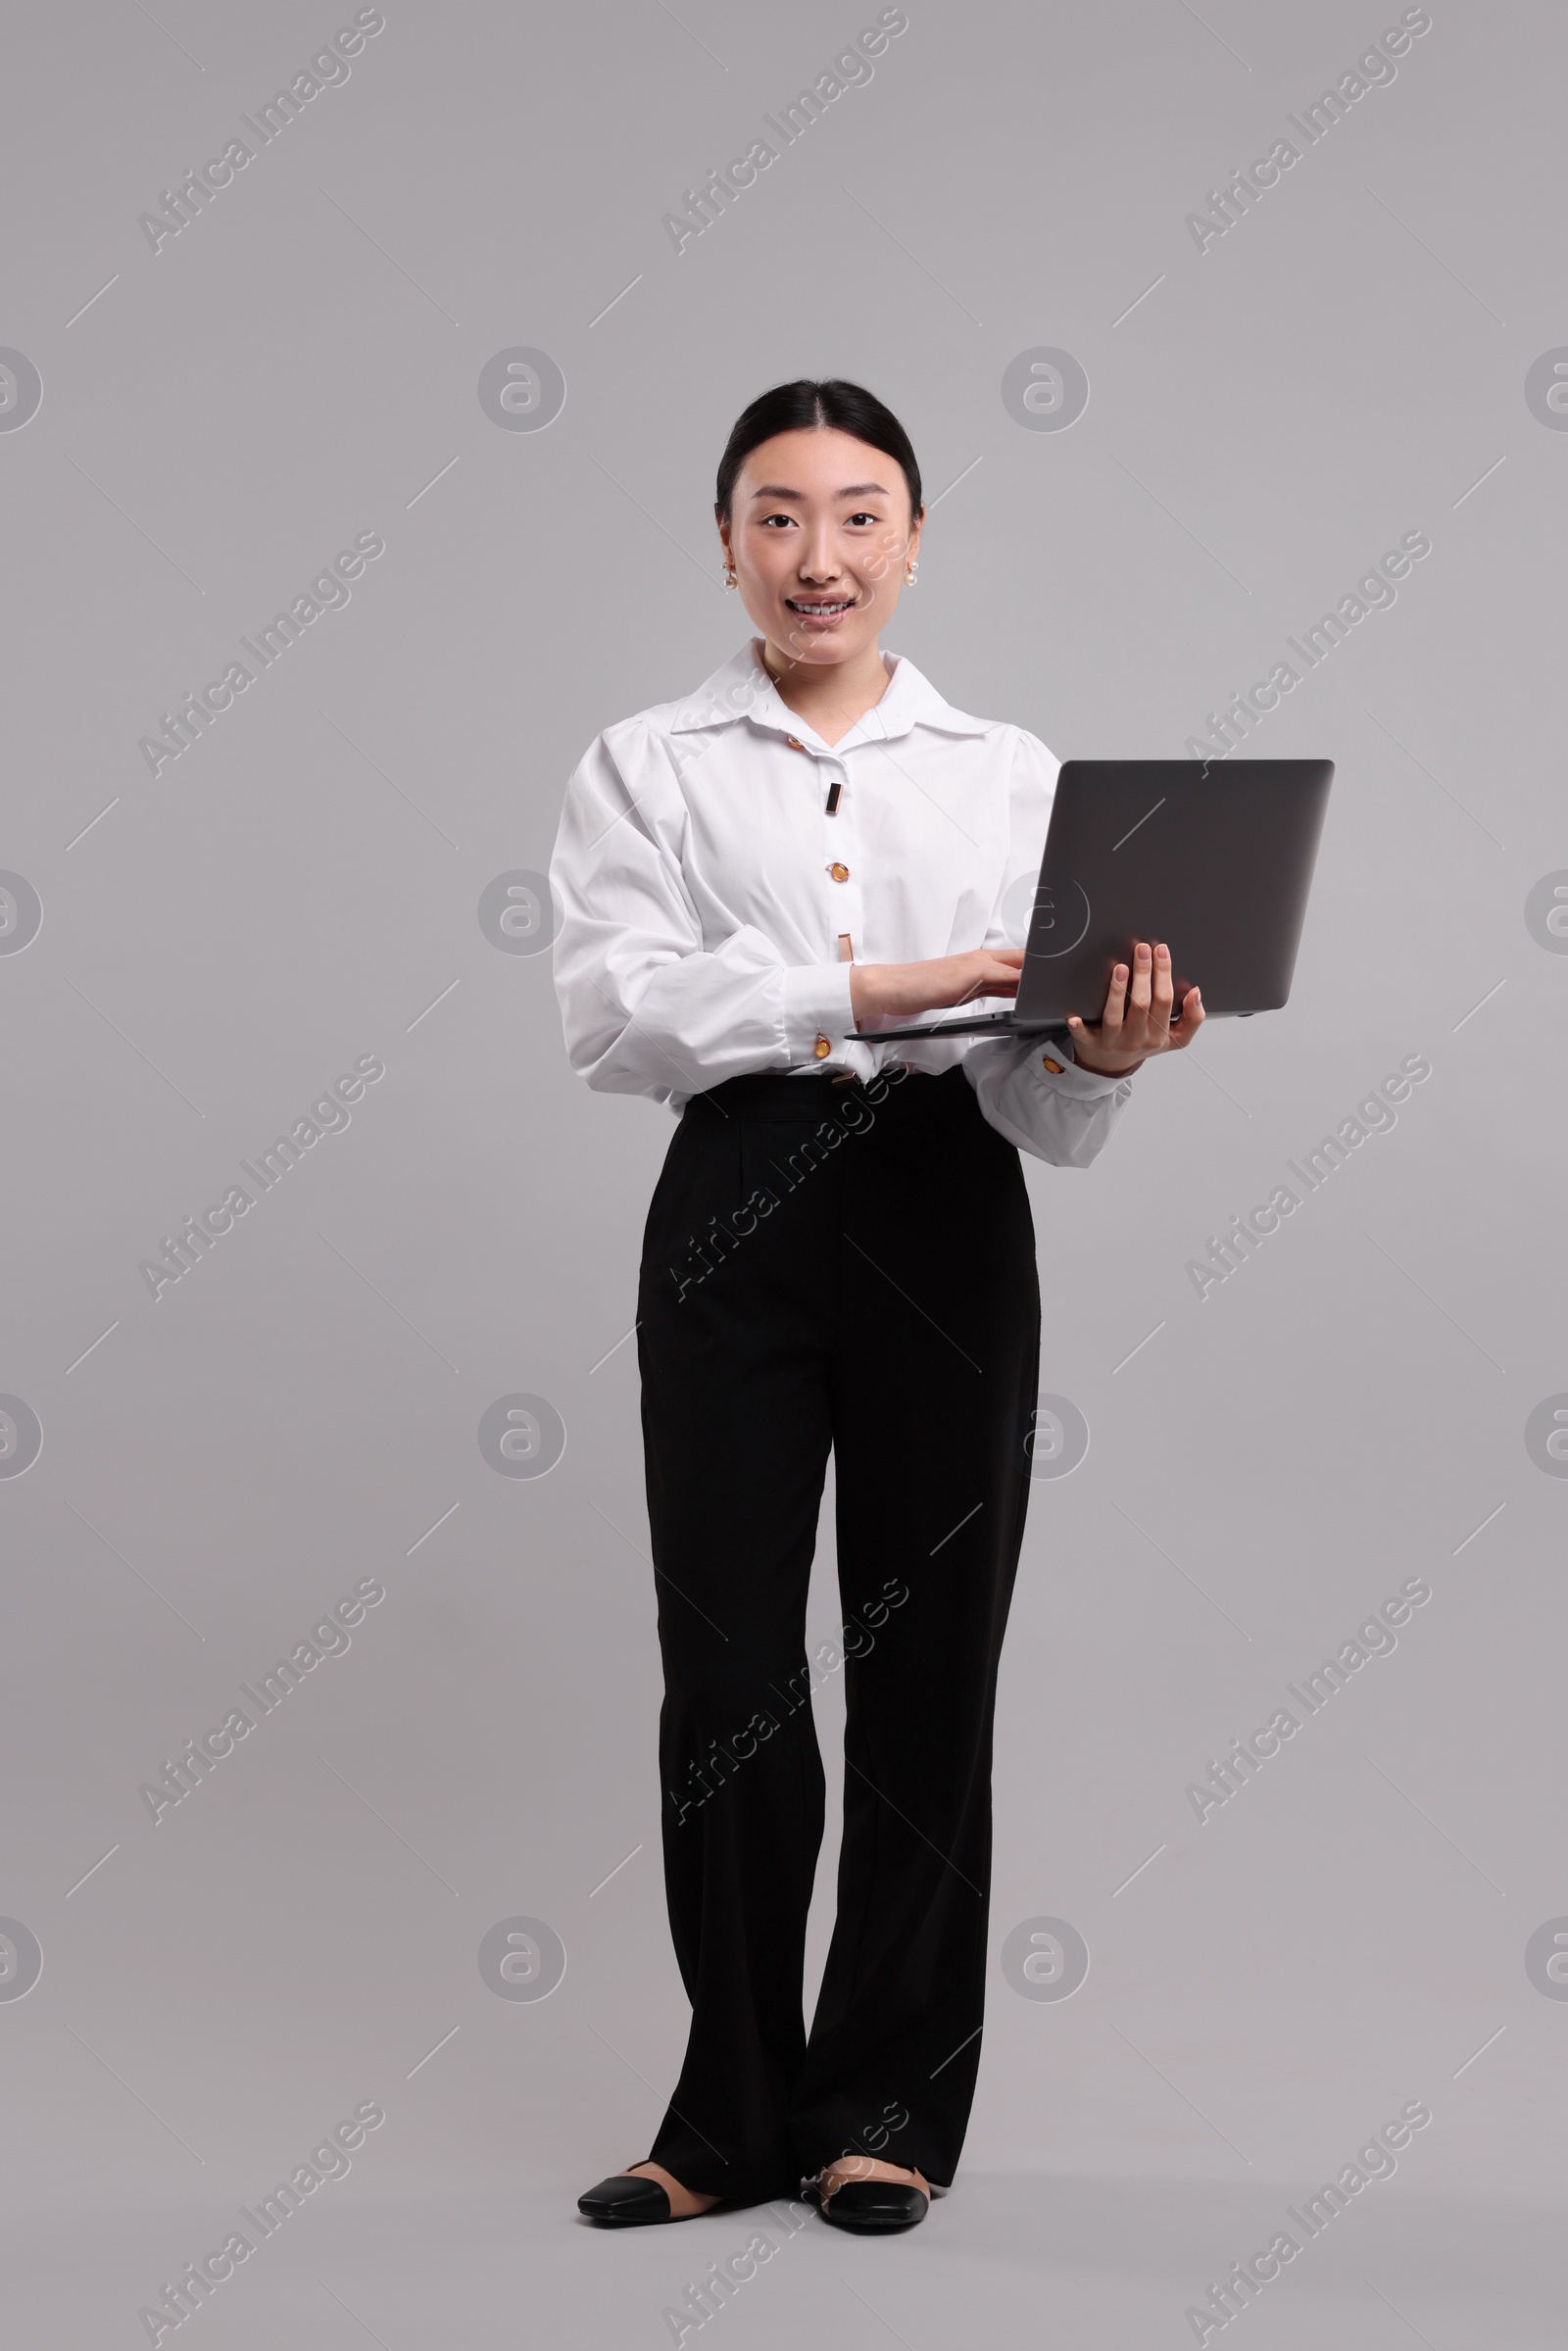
(1137, 1023)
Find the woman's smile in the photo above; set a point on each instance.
(822, 612)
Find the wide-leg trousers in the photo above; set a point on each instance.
(831, 1265)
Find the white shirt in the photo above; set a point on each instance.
(709, 904)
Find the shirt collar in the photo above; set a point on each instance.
(742, 689)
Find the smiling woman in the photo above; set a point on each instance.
(821, 553)
(754, 881)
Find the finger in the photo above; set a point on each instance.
(1109, 1019)
(1163, 993)
(1157, 1026)
(1135, 1028)
(1192, 1019)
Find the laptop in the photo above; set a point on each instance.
(1215, 857)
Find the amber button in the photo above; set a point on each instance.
(795, 743)
(840, 873)
(823, 1049)
(1054, 1068)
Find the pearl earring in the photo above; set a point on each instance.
(908, 573)
(729, 575)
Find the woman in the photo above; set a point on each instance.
(839, 1254)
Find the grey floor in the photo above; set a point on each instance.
(1006, 2258)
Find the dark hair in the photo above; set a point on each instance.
(806, 406)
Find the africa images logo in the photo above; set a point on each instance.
(851, 69)
(1374, 69)
(328, 70)
(1375, 1114)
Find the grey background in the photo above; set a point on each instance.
(301, 888)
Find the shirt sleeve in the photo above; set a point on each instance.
(1030, 1088)
(648, 1007)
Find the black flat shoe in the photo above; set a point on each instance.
(872, 2206)
(627, 2200)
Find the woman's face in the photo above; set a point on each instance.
(819, 533)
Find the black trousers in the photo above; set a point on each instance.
(845, 1266)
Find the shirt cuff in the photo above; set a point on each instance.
(1054, 1063)
(818, 1014)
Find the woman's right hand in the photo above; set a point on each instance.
(882, 991)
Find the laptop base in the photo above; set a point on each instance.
(984, 1024)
